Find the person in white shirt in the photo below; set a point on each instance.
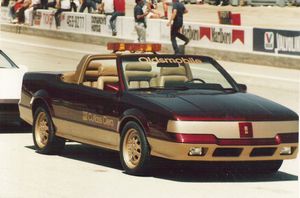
(35, 4)
(108, 6)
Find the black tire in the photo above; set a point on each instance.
(43, 132)
(134, 150)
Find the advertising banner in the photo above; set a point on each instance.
(276, 41)
(214, 36)
(127, 28)
(98, 24)
(72, 21)
(44, 19)
(4, 14)
(219, 36)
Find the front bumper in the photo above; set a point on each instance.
(214, 152)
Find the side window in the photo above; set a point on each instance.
(101, 74)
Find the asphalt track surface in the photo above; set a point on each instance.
(83, 171)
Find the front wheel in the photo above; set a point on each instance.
(134, 149)
(43, 132)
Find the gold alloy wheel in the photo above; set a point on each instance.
(41, 130)
(132, 150)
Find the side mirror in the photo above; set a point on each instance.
(242, 88)
(111, 87)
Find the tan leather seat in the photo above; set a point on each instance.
(171, 74)
(107, 74)
(92, 73)
(139, 75)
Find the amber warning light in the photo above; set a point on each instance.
(134, 47)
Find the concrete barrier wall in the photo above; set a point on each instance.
(224, 42)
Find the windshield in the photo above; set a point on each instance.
(172, 72)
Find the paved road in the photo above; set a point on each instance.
(82, 171)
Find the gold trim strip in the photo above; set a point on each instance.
(84, 117)
(86, 134)
(230, 129)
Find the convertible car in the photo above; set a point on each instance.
(178, 107)
(11, 77)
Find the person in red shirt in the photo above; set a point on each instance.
(119, 10)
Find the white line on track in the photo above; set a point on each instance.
(46, 46)
(90, 52)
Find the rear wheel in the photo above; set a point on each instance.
(134, 150)
(43, 131)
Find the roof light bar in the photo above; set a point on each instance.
(133, 47)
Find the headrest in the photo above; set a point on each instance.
(94, 65)
(172, 71)
(138, 67)
(107, 70)
(91, 73)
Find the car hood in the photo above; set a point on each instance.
(220, 106)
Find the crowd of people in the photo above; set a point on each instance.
(22, 11)
(175, 22)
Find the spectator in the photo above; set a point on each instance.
(62, 6)
(4, 3)
(108, 7)
(74, 5)
(166, 3)
(44, 4)
(36, 4)
(21, 12)
(177, 17)
(119, 10)
(14, 6)
(89, 4)
(151, 7)
(51, 4)
(140, 22)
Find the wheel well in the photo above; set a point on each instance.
(126, 120)
(37, 103)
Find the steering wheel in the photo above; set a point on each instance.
(196, 79)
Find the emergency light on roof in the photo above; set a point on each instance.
(133, 47)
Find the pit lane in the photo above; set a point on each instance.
(83, 171)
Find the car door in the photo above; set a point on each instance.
(88, 114)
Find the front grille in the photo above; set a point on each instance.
(227, 152)
(261, 152)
